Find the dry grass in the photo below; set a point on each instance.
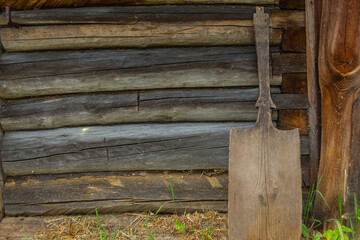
(197, 226)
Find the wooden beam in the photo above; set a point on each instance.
(36, 4)
(294, 83)
(283, 19)
(290, 119)
(289, 63)
(133, 14)
(293, 40)
(155, 14)
(113, 193)
(354, 174)
(139, 34)
(174, 146)
(292, 4)
(54, 73)
(313, 16)
(194, 105)
(339, 76)
(2, 179)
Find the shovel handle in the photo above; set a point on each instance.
(264, 102)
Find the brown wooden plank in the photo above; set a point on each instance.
(283, 19)
(290, 119)
(36, 4)
(112, 192)
(233, 104)
(294, 83)
(313, 16)
(294, 40)
(175, 146)
(339, 77)
(289, 63)
(292, 4)
(140, 34)
(40, 73)
(264, 166)
(354, 174)
(2, 178)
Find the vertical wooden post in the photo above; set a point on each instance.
(313, 16)
(339, 78)
(2, 179)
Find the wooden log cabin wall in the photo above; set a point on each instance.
(104, 107)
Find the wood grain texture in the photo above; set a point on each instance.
(283, 19)
(140, 34)
(313, 16)
(289, 63)
(36, 4)
(2, 179)
(339, 77)
(113, 193)
(53, 73)
(294, 83)
(233, 104)
(354, 174)
(294, 40)
(264, 166)
(290, 119)
(172, 146)
(133, 14)
(292, 4)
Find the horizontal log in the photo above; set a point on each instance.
(154, 14)
(36, 4)
(292, 4)
(175, 146)
(294, 83)
(113, 193)
(290, 119)
(139, 34)
(294, 40)
(284, 19)
(53, 73)
(289, 63)
(145, 106)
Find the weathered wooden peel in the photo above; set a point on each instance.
(264, 169)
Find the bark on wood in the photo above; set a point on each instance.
(53, 73)
(294, 83)
(293, 40)
(339, 76)
(313, 15)
(186, 146)
(354, 174)
(289, 63)
(113, 193)
(290, 119)
(140, 34)
(36, 4)
(148, 106)
(292, 4)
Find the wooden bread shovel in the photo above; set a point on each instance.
(264, 166)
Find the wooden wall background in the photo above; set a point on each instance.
(105, 107)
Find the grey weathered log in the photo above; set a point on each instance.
(112, 192)
(172, 146)
(139, 35)
(214, 104)
(126, 14)
(52, 73)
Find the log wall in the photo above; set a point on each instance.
(96, 117)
